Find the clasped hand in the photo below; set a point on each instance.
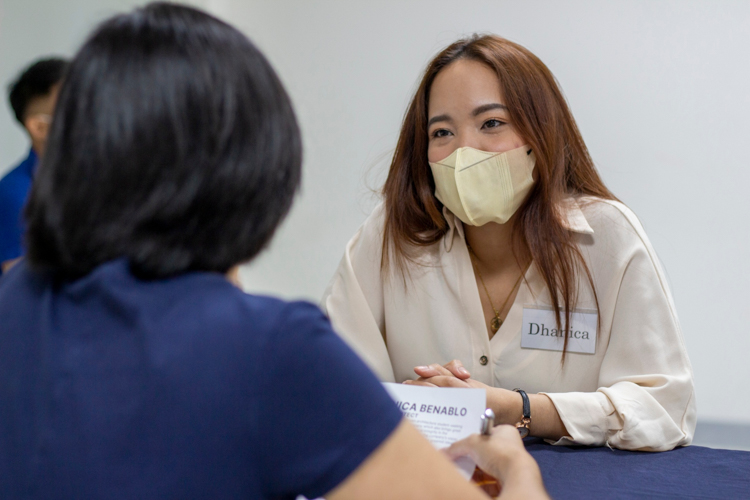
(451, 374)
(506, 404)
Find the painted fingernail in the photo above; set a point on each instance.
(463, 371)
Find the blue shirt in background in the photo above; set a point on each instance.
(114, 387)
(14, 188)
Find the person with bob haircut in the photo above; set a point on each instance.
(130, 365)
(500, 260)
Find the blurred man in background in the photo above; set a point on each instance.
(32, 96)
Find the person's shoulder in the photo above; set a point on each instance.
(365, 246)
(226, 301)
(16, 286)
(201, 304)
(230, 309)
(374, 224)
(618, 234)
(21, 170)
(610, 217)
(13, 178)
(297, 316)
(14, 186)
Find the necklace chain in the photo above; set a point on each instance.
(496, 322)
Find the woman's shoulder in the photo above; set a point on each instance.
(299, 316)
(267, 316)
(195, 308)
(365, 246)
(374, 225)
(617, 234)
(224, 328)
(610, 218)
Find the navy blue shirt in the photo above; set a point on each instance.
(113, 387)
(14, 188)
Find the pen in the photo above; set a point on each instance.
(488, 422)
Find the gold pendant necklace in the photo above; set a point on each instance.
(496, 322)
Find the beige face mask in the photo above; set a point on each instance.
(481, 187)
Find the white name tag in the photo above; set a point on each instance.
(539, 330)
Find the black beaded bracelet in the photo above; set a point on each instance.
(524, 425)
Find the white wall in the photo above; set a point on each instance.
(659, 90)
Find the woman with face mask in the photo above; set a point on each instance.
(500, 260)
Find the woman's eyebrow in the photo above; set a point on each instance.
(486, 107)
(439, 118)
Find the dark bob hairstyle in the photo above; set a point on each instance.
(173, 145)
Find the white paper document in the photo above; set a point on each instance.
(444, 415)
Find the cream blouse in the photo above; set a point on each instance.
(635, 392)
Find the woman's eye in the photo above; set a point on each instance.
(492, 123)
(441, 132)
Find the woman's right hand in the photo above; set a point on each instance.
(503, 455)
(451, 369)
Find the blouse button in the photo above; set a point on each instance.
(483, 360)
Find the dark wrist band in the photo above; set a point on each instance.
(523, 425)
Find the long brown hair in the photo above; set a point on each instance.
(540, 115)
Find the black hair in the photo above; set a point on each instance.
(35, 81)
(173, 145)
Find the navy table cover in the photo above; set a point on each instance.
(689, 472)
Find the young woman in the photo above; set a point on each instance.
(499, 253)
(130, 366)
